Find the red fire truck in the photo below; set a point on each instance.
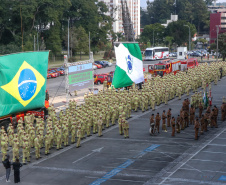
(164, 67)
(171, 66)
(189, 63)
(13, 118)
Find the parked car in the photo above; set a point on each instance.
(196, 54)
(48, 75)
(98, 66)
(60, 71)
(101, 63)
(55, 71)
(94, 67)
(53, 74)
(107, 63)
(170, 54)
(99, 78)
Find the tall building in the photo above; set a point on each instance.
(115, 11)
(217, 20)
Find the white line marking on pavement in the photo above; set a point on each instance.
(211, 171)
(166, 154)
(216, 145)
(208, 161)
(117, 179)
(87, 171)
(194, 181)
(94, 151)
(158, 161)
(191, 157)
(130, 169)
(193, 168)
(215, 152)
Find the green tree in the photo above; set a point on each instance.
(53, 41)
(168, 40)
(203, 41)
(222, 45)
(192, 11)
(83, 41)
(179, 32)
(209, 2)
(153, 31)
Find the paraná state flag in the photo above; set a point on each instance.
(129, 65)
(22, 81)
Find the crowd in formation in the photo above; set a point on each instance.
(108, 107)
(187, 117)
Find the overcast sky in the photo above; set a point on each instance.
(144, 4)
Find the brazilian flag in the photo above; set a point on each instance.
(22, 81)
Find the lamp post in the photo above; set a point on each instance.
(189, 39)
(153, 38)
(89, 44)
(68, 45)
(37, 37)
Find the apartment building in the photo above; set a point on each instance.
(115, 11)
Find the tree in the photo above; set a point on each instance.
(83, 41)
(153, 31)
(192, 11)
(144, 18)
(222, 45)
(53, 41)
(179, 32)
(209, 2)
(168, 40)
(203, 41)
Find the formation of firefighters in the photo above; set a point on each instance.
(102, 110)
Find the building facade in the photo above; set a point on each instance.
(115, 11)
(217, 22)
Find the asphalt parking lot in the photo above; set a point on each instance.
(141, 159)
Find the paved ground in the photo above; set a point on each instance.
(141, 159)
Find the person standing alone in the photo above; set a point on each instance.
(16, 167)
(7, 166)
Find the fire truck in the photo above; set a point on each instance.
(171, 66)
(13, 118)
(189, 63)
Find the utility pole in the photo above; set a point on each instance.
(153, 38)
(34, 42)
(68, 46)
(189, 39)
(37, 42)
(218, 26)
(89, 45)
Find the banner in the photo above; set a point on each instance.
(80, 77)
(23, 81)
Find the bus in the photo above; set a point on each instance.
(156, 53)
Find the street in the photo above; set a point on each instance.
(140, 159)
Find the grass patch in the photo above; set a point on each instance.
(59, 62)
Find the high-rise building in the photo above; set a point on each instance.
(217, 23)
(115, 11)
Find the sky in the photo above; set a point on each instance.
(144, 4)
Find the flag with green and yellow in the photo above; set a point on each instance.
(22, 81)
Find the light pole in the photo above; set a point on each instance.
(153, 38)
(211, 35)
(89, 44)
(189, 39)
(37, 37)
(218, 26)
(68, 46)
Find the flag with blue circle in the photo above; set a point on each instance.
(23, 81)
